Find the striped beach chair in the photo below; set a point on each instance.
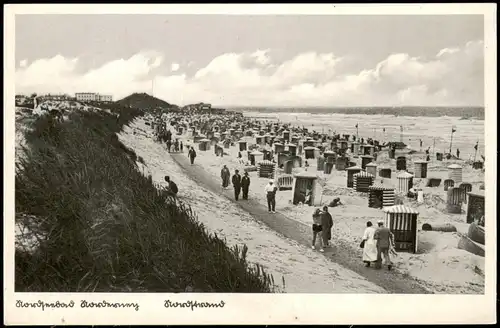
(285, 182)
(465, 187)
(448, 183)
(454, 200)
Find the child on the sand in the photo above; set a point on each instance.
(335, 202)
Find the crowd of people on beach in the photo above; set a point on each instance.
(377, 242)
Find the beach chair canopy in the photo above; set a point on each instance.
(400, 209)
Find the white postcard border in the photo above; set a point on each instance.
(256, 308)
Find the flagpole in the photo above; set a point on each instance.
(475, 152)
(451, 139)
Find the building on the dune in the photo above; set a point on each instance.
(205, 106)
(105, 98)
(34, 99)
(92, 96)
(198, 107)
(86, 96)
(54, 97)
(22, 100)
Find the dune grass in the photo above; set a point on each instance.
(103, 227)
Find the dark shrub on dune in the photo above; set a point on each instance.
(103, 227)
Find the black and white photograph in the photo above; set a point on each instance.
(209, 156)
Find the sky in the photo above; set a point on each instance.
(288, 60)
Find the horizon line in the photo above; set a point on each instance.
(286, 107)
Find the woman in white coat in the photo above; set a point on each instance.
(370, 245)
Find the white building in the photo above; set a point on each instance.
(205, 106)
(87, 96)
(92, 96)
(105, 98)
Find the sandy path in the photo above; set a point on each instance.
(341, 252)
(439, 265)
(304, 270)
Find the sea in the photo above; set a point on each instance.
(435, 132)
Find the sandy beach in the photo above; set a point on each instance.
(438, 264)
(303, 269)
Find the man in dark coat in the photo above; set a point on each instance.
(192, 155)
(245, 185)
(385, 239)
(236, 180)
(326, 225)
(225, 175)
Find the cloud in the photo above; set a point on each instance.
(175, 67)
(23, 63)
(452, 77)
(118, 78)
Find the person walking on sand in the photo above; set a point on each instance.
(169, 145)
(385, 239)
(192, 155)
(369, 245)
(316, 229)
(236, 180)
(270, 190)
(225, 175)
(180, 144)
(458, 153)
(245, 185)
(326, 226)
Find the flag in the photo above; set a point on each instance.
(384, 130)
(356, 125)
(475, 147)
(453, 130)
